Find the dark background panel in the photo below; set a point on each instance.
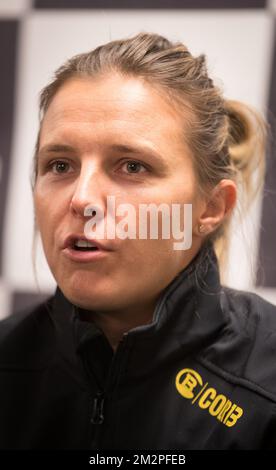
(146, 4)
(22, 300)
(266, 272)
(8, 43)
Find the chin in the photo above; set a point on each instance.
(86, 299)
(87, 295)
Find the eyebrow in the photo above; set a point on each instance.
(131, 149)
(55, 148)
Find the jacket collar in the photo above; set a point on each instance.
(188, 314)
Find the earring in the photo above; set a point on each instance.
(201, 228)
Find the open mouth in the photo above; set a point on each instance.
(83, 245)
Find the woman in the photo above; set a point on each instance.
(141, 347)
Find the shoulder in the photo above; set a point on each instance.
(24, 335)
(249, 308)
(244, 352)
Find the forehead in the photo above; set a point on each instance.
(88, 112)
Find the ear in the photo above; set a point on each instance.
(219, 205)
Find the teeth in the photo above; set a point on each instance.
(83, 244)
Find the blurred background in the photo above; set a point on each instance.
(37, 36)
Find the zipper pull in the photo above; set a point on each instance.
(97, 414)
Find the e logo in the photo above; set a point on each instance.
(186, 381)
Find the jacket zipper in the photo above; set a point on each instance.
(97, 416)
(97, 413)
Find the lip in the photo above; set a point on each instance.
(72, 237)
(84, 256)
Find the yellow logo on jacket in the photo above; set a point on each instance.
(190, 385)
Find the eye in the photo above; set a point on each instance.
(59, 166)
(134, 167)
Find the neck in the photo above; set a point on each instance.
(117, 322)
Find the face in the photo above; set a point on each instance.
(111, 137)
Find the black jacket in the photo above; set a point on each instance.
(202, 375)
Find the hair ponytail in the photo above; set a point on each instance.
(247, 139)
(247, 145)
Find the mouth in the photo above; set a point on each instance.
(79, 249)
(84, 245)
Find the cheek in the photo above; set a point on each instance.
(151, 256)
(45, 215)
(38, 208)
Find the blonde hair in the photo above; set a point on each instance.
(227, 137)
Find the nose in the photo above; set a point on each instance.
(90, 189)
